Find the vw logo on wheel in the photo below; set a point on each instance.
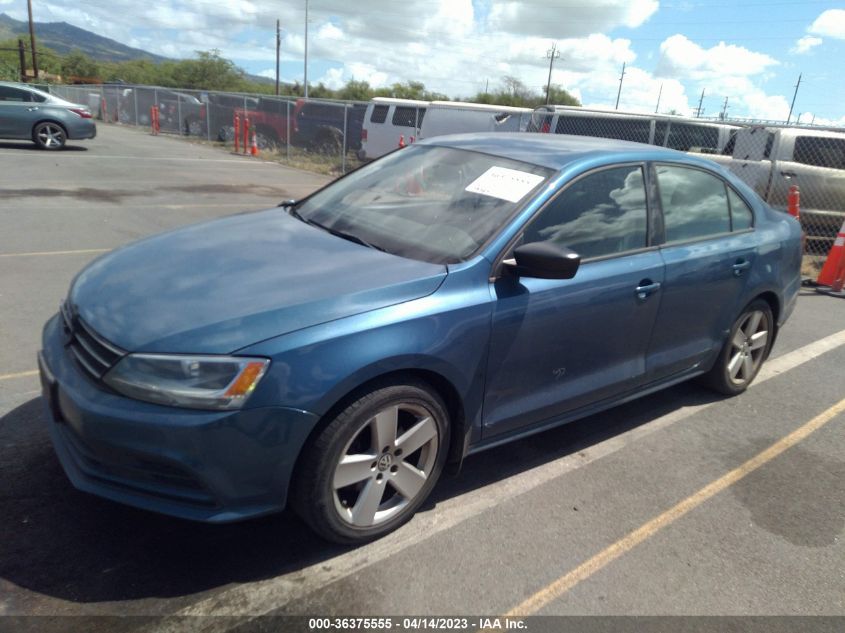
(385, 461)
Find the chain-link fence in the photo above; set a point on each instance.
(770, 159)
(335, 136)
(317, 134)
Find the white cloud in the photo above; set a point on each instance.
(830, 23)
(681, 57)
(805, 44)
(538, 17)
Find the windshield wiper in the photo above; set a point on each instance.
(349, 236)
(291, 208)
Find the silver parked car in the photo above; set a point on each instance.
(30, 114)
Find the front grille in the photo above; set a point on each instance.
(93, 353)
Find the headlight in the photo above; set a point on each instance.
(197, 382)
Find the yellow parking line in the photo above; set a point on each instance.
(41, 253)
(566, 582)
(20, 374)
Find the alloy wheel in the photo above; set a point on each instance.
(50, 136)
(385, 465)
(748, 347)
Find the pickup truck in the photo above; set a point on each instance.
(271, 118)
(771, 160)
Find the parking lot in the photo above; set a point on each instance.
(680, 503)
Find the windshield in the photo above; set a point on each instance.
(435, 204)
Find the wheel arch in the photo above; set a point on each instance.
(437, 381)
(774, 302)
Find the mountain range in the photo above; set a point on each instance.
(63, 38)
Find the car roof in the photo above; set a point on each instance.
(556, 151)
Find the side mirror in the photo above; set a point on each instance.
(544, 260)
(287, 203)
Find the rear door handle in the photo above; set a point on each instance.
(740, 266)
(646, 288)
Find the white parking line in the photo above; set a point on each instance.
(259, 598)
(247, 162)
(87, 251)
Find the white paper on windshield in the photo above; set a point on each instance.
(505, 184)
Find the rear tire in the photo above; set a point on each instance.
(376, 462)
(50, 136)
(747, 347)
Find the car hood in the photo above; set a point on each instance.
(220, 286)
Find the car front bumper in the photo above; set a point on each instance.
(214, 466)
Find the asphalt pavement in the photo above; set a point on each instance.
(680, 503)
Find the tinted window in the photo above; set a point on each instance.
(741, 215)
(820, 151)
(601, 214)
(407, 117)
(379, 114)
(695, 203)
(684, 136)
(8, 93)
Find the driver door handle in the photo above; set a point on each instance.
(646, 288)
(740, 266)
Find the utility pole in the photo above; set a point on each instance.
(795, 94)
(486, 85)
(306, 49)
(278, 46)
(659, 94)
(619, 94)
(22, 56)
(32, 40)
(551, 54)
(700, 101)
(724, 109)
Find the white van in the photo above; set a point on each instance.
(385, 120)
(455, 117)
(674, 132)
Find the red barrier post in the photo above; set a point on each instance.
(246, 134)
(793, 202)
(152, 120)
(237, 131)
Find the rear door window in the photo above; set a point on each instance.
(379, 114)
(7, 93)
(404, 116)
(694, 202)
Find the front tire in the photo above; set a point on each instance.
(50, 136)
(376, 462)
(748, 345)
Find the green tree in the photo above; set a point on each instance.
(559, 96)
(208, 71)
(76, 66)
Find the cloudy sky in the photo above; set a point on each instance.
(750, 51)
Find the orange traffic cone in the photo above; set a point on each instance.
(254, 149)
(401, 140)
(834, 267)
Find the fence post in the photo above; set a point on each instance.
(287, 133)
(343, 148)
(135, 92)
(208, 117)
(180, 129)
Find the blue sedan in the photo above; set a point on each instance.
(336, 353)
